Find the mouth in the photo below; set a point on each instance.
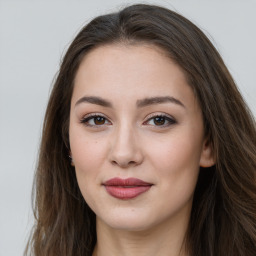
(126, 189)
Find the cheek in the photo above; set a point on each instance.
(177, 152)
(177, 159)
(87, 150)
(88, 154)
(176, 164)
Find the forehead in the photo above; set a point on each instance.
(121, 72)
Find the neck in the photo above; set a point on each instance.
(166, 239)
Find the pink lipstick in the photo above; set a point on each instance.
(126, 188)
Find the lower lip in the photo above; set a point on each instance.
(126, 193)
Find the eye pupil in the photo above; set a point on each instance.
(159, 120)
(99, 120)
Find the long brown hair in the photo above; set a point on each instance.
(223, 217)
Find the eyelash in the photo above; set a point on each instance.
(89, 117)
(169, 119)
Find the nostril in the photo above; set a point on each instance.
(123, 164)
(114, 162)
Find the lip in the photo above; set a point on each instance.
(126, 188)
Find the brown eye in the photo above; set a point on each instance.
(160, 120)
(95, 120)
(99, 120)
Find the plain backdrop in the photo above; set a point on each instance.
(35, 34)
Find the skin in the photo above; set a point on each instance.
(129, 142)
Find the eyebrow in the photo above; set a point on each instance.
(94, 100)
(158, 100)
(140, 103)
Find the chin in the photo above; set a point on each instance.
(127, 225)
(128, 221)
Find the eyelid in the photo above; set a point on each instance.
(168, 117)
(171, 120)
(90, 116)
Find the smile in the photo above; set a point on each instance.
(126, 188)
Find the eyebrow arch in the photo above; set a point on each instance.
(140, 103)
(158, 100)
(94, 100)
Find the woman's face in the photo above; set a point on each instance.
(136, 137)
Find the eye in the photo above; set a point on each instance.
(95, 120)
(161, 120)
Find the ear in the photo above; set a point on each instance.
(207, 157)
(71, 159)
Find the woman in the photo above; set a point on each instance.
(148, 147)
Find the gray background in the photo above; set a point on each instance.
(34, 36)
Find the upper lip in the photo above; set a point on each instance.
(126, 182)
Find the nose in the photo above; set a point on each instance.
(125, 149)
